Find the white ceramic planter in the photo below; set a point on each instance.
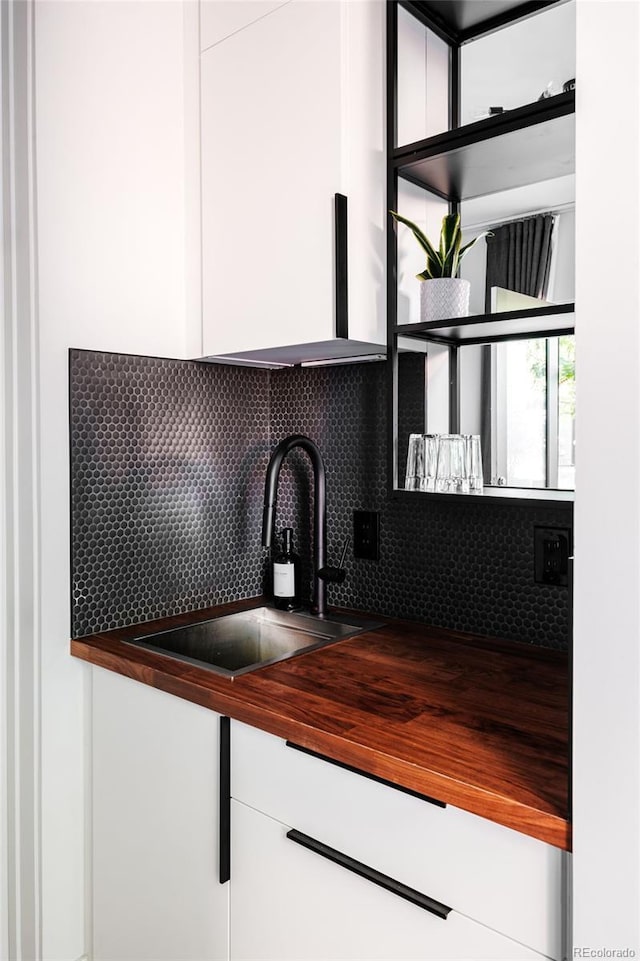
(444, 297)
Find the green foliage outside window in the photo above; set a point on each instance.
(537, 358)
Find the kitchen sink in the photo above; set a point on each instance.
(237, 643)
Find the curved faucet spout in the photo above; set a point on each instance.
(319, 508)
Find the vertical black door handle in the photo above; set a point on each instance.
(225, 801)
(342, 286)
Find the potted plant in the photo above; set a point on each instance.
(443, 294)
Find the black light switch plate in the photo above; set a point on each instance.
(366, 535)
(552, 547)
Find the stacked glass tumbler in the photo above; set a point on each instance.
(445, 463)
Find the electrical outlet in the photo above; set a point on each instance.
(552, 546)
(366, 530)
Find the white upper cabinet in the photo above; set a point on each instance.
(292, 111)
(220, 18)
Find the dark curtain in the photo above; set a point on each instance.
(518, 258)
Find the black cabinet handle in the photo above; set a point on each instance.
(341, 254)
(370, 874)
(225, 801)
(371, 777)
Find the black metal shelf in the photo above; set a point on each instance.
(459, 21)
(548, 321)
(516, 496)
(526, 145)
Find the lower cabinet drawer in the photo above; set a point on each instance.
(503, 879)
(289, 903)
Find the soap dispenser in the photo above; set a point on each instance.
(286, 567)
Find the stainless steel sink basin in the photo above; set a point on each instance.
(237, 643)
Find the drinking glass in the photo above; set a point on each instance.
(414, 477)
(451, 472)
(431, 444)
(474, 462)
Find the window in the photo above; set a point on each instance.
(533, 413)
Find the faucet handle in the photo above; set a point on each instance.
(335, 575)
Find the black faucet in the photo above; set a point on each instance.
(319, 602)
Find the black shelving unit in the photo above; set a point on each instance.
(526, 145)
(553, 321)
(459, 21)
(518, 147)
(516, 496)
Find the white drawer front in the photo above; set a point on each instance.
(504, 879)
(290, 904)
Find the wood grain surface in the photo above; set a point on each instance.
(478, 723)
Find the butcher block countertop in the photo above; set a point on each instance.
(478, 723)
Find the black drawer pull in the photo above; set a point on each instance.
(372, 777)
(370, 874)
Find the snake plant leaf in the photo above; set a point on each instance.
(432, 269)
(449, 237)
(423, 240)
(452, 260)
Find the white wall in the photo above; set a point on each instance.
(114, 193)
(423, 86)
(19, 573)
(606, 715)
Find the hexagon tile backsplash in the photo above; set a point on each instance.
(168, 460)
(167, 467)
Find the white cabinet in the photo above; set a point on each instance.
(326, 863)
(156, 889)
(292, 111)
(289, 903)
(509, 883)
(220, 18)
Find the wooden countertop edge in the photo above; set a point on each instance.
(541, 825)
